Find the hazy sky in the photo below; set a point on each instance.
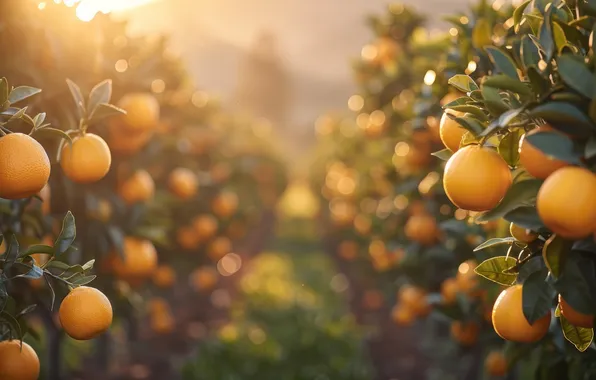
(317, 37)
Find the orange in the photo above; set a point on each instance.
(476, 178)
(205, 226)
(414, 299)
(164, 276)
(219, 247)
(422, 229)
(466, 278)
(187, 238)
(575, 317)
(348, 250)
(138, 188)
(24, 166)
(203, 279)
(88, 160)
(183, 183)
(362, 224)
(509, 320)
(162, 323)
(18, 362)
(123, 142)
(157, 305)
(402, 316)
(450, 131)
(142, 112)
(225, 204)
(534, 160)
(566, 202)
(522, 234)
(496, 364)
(85, 313)
(417, 207)
(449, 290)
(140, 259)
(466, 333)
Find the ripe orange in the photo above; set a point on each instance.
(187, 238)
(450, 131)
(225, 204)
(348, 250)
(85, 313)
(164, 276)
(465, 333)
(142, 112)
(534, 160)
(522, 234)
(205, 226)
(24, 166)
(417, 207)
(414, 299)
(496, 364)
(509, 320)
(18, 363)
(157, 305)
(183, 183)
(140, 259)
(203, 279)
(449, 289)
(476, 178)
(402, 316)
(219, 247)
(566, 202)
(88, 160)
(138, 188)
(422, 229)
(162, 323)
(124, 142)
(575, 317)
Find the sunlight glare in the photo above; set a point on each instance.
(87, 9)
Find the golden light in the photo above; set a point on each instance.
(158, 86)
(377, 117)
(121, 65)
(229, 264)
(402, 149)
(200, 99)
(464, 20)
(87, 9)
(369, 52)
(324, 125)
(471, 67)
(401, 202)
(453, 31)
(429, 77)
(355, 103)
(464, 268)
(42, 6)
(362, 120)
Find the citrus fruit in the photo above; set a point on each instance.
(164, 276)
(187, 238)
(509, 320)
(496, 364)
(450, 131)
(575, 317)
(24, 166)
(225, 204)
(183, 183)
(85, 313)
(138, 188)
(522, 234)
(422, 229)
(537, 163)
(203, 279)
(466, 333)
(566, 202)
(476, 178)
(142, 112)
(414, 299)
(88, 160)
(219, 247)
(402, 316)
(449, 289)
(205, 226)
(139, 259)
(123, 142)
(18, 362)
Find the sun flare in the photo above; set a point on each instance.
(87, 9)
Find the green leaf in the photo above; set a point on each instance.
(38, 248)
(518, 14)
(529, 52)
(494, 242)
(545, 36)
(558, 310)
(444, 154)
(577, 75)
(590, 151)
(104, 110)
(77, 95)
(576, 282)
(21, 93)
(53, 131)
(67, 235)
(526, 217)
(559, 37)
(540, 85)
(100, 94)
(33, 272)
(553, 253)
(60, 265)
(580, 337)
(27, 310)
(504, 82)
(467, 108)
(89, 265)
(494, 269)
(503, 61)
(555, 144)
(493, 100)
(39, 119)
(12, 323)
(509, 147)
(463, 83)
(537, 297)
(83, 280)
(470, 124)
(565, 117)
(503, 121)
(522, 193)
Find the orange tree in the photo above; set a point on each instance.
(536, 108)
(37, 248)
